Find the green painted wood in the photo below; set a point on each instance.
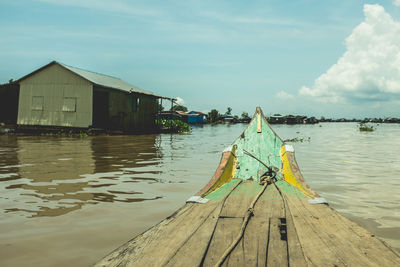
(289, 190)
(222, 191)
(265, 146)
(246, 191)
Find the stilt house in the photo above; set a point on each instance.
(65, 96)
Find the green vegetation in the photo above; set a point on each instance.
(298, 139)
(363, 127)
(176, 126)
(213, 116)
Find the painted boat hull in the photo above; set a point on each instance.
(238, 219)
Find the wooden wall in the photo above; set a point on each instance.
(9, 94)
(55, 96)
(130, 112)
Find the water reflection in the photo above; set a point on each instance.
(46, 176)
(8, 159)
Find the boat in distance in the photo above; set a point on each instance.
(257, 210)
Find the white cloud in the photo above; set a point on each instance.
(396, 2)
(283, 95)
(370, 68)
(179, 101)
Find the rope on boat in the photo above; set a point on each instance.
(265, 181)
(272, 171)
(254, 157)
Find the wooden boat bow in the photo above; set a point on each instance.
(238, 219)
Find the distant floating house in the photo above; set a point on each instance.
(245, 119)
(229, 119)
(192, 117)
(171, 115)
(277, 118)
(290, 119)
(196, 117)
(311, 120)
(64, 96)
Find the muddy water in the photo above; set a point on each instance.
(69, 201)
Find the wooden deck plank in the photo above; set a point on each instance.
(191, 253)
(238, 202)
(225, 232)
(296, 255)
(328, 238)
(157, 245)
(263, 238)
(315, 235)
(277, 246)
(252, 249)
(230, 222)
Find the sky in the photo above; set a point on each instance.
(332, 58)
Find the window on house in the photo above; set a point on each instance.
(37, 103)
(69, 104)
(135, 104)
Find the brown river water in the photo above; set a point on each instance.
(70, 201)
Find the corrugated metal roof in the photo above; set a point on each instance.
(99, 79)
(106, 81)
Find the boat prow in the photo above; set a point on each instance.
(257, 210)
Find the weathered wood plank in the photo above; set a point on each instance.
(277, 233)
(264, 238)
(191, 253)
(296, 255)
(230, 222)
(277, 245)
(157, 245)
(252, 251)
(225, 232)
(253, 247)
(239, 201)
(328, 238)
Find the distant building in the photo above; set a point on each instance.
(65, 96)
(392, 120)
(171, 115)
(311, 120)
(245, 119)
(196, 117)
(277, 118)
(192, 117)
(228, 118)
(301, 119)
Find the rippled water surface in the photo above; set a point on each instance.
(69, 201)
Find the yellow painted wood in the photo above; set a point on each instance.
(258, 123)
(288, 174)
(227, 174)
